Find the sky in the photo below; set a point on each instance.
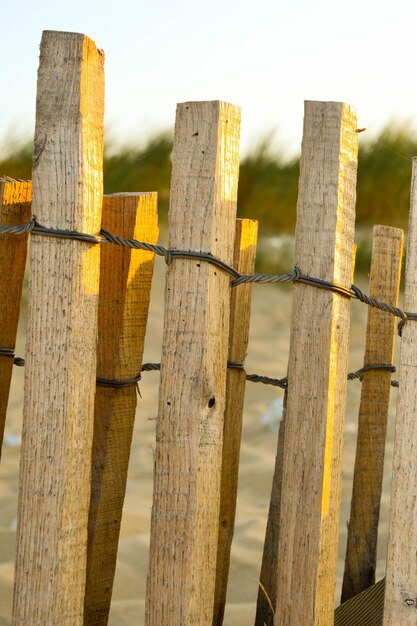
(266, 56)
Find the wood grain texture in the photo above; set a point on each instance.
(267, 592)
(61, 340)
(384, 284)
(317, 371)
(15, 208)
(240, 302)
(125, 284)
(400, 605)
(185, 514)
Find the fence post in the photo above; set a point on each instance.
(15, 208)
(400, 605)
(61, 339)
(244, 262)
(185, 513)
(384, 284)
(267, 592)
(317, 372)
(125, 284)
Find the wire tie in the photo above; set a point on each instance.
(39, 229)
(7, 352)
(118, 384)
(385, 367)
(168, 257)
(404, 320)
(236, 365)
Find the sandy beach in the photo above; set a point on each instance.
(267, 354)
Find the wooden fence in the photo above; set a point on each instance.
(87, 311)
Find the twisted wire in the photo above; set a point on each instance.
(282, 383)
(9, 352)
(107, 236)
(7, 179)
(267, 278)
(266, 380)
(18, 229)
(385, 367)
(238, 279)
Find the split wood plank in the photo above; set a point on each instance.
(61, 341)
(317, 372)
(384, 284)
(400, 605)
(125, 284)
(15, 209)
(188, 455)
(240, 303)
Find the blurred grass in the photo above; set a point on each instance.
(268, 186)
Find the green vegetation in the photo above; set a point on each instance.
(18, 162)
(143, 169)
(268, 183)
(384, 178)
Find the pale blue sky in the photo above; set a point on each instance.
(267, 56)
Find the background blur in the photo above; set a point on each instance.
(266, 56)
(267, 186)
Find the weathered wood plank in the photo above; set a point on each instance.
(15, 208)
(244, 262)
(185, 514)
(125, 284)
(267, 592)
(61, 340)
(317, 369)
(384, 284)
(401, 578)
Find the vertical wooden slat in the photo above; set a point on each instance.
(267, 592)
(401, 578)
(317, 369)
(185, 514)
(244, 262)
(15, 208)
(384, 284)
(61, 340)
(125, 283)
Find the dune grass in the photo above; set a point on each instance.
(268, 183)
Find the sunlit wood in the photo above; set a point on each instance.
(125, 284)
(61, 337)
(384, 284)
(317, 370)
(244, 262)
(189, 437)
(401, 578)
(15, 208)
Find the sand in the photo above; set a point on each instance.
(267, 354)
